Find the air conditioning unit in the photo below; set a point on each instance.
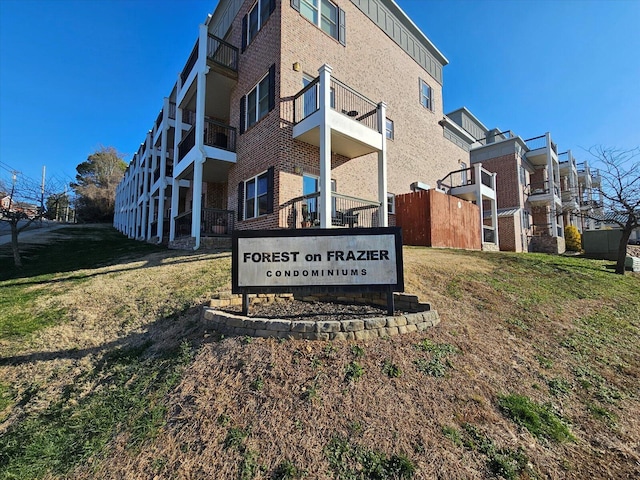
(416, 186)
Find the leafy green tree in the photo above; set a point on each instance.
(96, 183)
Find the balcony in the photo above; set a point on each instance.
(222, 55)
(215, 134)
(346, 211)
(537, 146)
(213, 222)
(353, 119)
(193, 58)
(543, 193)
(463, 183)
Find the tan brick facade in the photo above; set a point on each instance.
(419, 152)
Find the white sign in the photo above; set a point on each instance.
(323, 260)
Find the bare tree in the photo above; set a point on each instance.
(22, 204)
(620, 190)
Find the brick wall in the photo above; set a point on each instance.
(372, 64)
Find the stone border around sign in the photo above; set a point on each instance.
(356, 329)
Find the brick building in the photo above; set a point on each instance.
(296, 113)
(539, 190)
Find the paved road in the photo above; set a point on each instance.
(35, 229)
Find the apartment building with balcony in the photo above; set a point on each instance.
(539, 191)
(293, 114)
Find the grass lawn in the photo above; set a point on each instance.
(107, 371)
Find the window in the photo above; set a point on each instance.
(255, 19)
(389, 129)
(523, 176)
(391, 203)
(426, 95)
(258, 102)
(257, 193)
(463, 173)
(325, 15)
(311, 185)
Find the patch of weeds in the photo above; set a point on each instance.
(329, 350)
(350, 461)
(516, 322)
(246, 340)
(391, 369)
(223, 420)
(540, 420)
(438, 362)
(235, 438)
(287, 470)
(257, 384)
(356, 428)
(6, 398)
(249, 466)
(310, 394)
(602, 413)
(590, 380)
(316, 362)
(453, 288)
(544, 361)
(559, 386)
(357, 351)
(158, 464)
(353, 371)
(504, 462)
(452, 434)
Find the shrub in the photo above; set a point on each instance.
(573, 239)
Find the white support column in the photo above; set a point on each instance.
(494, 210)
(478, 184)
(551, 180)
(201, 87)
(324, 209)
(175, 196)
(383, 221)
(163, 168)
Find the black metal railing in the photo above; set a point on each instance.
(189, 117)
(217, 134)
(486, 178)
(159, 119)
(346, 211)
(156, 174)
(496, 136)
(457, 178)
(306, 101)
(488, 234)
(213, 222)
(222, 53)
(183, 224)
(172, 110)
(187, 143)
(190, 63)
(542, 188)
(540, 142)
(353, 104)
(343, 99)
(217, 222)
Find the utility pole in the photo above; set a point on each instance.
(44, 168)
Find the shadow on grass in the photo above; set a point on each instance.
(77, 248)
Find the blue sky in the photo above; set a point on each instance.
(77, 74)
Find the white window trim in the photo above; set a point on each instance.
(256, 87)
(259, 6)
(318, 10)
(429, 99)
(391, 203)
(256, 212)
(391, 136)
